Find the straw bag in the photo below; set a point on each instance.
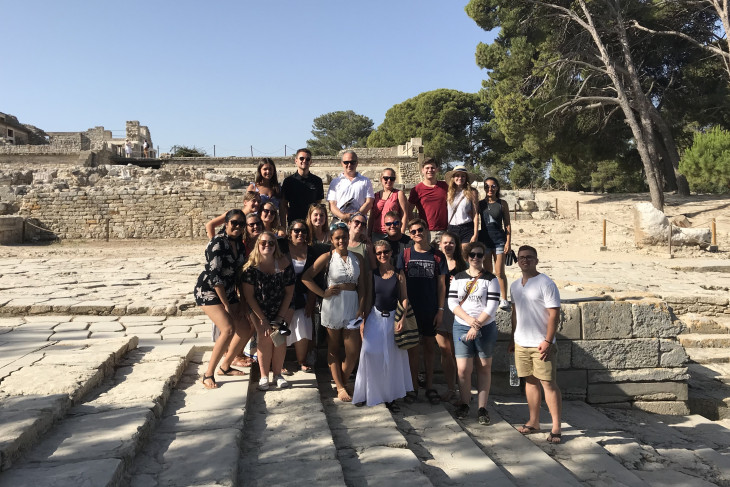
(408, 337)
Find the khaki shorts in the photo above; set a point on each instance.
(528, 362)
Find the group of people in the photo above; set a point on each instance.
(284, 268)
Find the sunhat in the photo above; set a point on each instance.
(471, 177)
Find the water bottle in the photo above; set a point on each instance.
(514, 380)
(463, 338)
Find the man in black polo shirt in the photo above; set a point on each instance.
(300, 190)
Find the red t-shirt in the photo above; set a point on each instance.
(431, 204)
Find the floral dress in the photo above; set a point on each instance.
(221, 268)
(269, 289)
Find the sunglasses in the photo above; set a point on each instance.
(416, 230)
(526, 257)
(305, 159)
(382, 252)
(300, 230)
(357, 223)
(349, 163)
(236, 223)
(337, 225)
(267, 243)
(254, 225)
(491, 186)
(476, 255)
(388, 178)
(267, 211)
(393, 224)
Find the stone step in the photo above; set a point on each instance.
(709, 395)
(706, 324)
(41, 383)
(96, 441)
(708, 355)
(705, 340)
(197, 439)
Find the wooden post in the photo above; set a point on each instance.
(107, 229)
(556, 206)
(603, 247)
(22, 233)
(213, 150)
(251, 151)
(713, 247)
(670, 240)
(516, 205)
(192, 235)
(577, 210)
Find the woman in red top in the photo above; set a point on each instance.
(389, 199)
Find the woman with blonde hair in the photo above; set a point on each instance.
(270, 219)
(317, 221)
(268, 286)
(462, 202)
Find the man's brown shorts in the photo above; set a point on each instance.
(528, 362)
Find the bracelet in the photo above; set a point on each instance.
(549, 343)
(441, 309)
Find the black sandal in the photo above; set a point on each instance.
(554, 436)
(206, 377)
(392, 407)
(433, 396)
(411, 397)
(230, 370)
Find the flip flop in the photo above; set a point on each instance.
(527, 430)
(230, 371)
(209, 377)
(552, 437)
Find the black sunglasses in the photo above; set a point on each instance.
(300, 230)
(395, 223)
(382, 252)
(236, 223)
(388, 178)
(417, 230)
(476, 255)
(305, 159)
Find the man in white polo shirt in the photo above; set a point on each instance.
(350, 192)
(535, 317)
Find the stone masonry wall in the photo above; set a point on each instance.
(618, 354)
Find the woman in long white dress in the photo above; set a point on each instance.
(384, 374)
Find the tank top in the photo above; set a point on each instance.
(343, 271)
(460, 210)
(383, 206)
(492, 218)
(386, 291)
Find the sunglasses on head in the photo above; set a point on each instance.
(415, 231)
(395, 223)
(476, 255)
(337, 225)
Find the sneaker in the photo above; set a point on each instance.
(281, 382)
(483, 416)
(462, 411)
(504, 304)
(263, 384)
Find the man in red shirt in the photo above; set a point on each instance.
(429, 197)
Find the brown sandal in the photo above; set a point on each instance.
(342, 395)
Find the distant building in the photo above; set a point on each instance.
(11, 131)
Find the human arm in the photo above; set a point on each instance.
(365, 208)
(212, 224)
(362, 282)
(475, 212)
(308, 277)
(289, 280)
(440, 299)
(511, 346)
(345, 217)
(260, 321)
(507, 226)
(403, 202)
(403, 295)
(552, 328)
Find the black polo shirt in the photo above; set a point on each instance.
(300, 192)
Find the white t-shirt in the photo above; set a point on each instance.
(483, 295)
(349, 196)
(531, 303)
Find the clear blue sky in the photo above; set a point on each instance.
(229, 73)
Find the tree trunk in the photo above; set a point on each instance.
(671, 155)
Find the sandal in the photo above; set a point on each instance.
(449, 395)
(342, 395)
(411, 397)
(554, 438)
(526, 429)
(392, 407)
(306, 368)
(210, 378)
(433, 396)
(241, 362)
(229, 371)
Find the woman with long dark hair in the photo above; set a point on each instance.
(266, 183)
(496, 234)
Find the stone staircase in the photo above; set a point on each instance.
(109, 413)
(707, 343)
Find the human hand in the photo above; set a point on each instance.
(471, 334)
(399, 325)
(544, 348)
(332, 291)
(438, 319)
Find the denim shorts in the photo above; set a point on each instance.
(482, 345)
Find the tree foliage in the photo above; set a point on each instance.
(185, 151)
(707, 162)
(340, 130)
(576, 81)
(452, 125)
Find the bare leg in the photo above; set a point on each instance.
(353, 343)
(447, 363)
(429, 353)
(301, 347)
(464, 367)
(223, 321)
(264, 353)
(484, 380)
(335, 362)
(534, 398)
(242, 333)
(488, 264)
(413, 362)
(554, 401)
(501, 276)
(277, 359)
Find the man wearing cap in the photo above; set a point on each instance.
(462, 202)
(300, 190)
(429, 197)
(350, 192)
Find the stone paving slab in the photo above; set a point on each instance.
(92, 473)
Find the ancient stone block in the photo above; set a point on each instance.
(646, 391)
(573, 384)
(528, 205)
(569, 325)
(675, 408)
(565, 352)
(606, 319)
(672, 354)
(615, 354)
(654, 374)
(654, 320)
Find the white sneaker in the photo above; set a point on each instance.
(281, 382)
(503, 304)
(263, 384)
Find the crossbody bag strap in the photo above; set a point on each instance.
(453, 213)
(470, 284)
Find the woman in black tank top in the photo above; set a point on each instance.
(496, 235)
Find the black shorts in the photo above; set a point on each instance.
(425, 319)
(465, 231)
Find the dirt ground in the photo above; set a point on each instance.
(564, 239)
